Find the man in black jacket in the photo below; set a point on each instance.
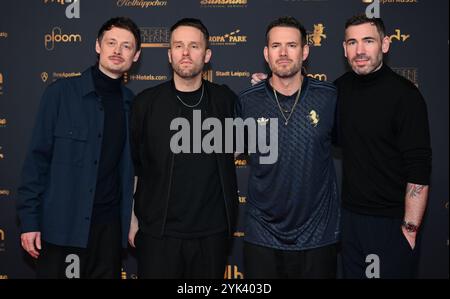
(185, 201)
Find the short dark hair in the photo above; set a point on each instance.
(124, 23)
(363, 19)
(191, 22)
(288, 21)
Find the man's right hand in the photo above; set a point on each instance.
(258, 77)
(134, 227)
(31, 242)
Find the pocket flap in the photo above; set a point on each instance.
(72, 133)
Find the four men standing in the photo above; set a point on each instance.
(76, 192)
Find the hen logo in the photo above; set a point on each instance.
(315, 38)
(72, 10)
(56, 36)
(229, 39)
(3, 122)
(399, 37)
(2, 235)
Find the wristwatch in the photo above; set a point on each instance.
(410, 227)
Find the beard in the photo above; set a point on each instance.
(373, 64)
(287, 71)
(188, 73)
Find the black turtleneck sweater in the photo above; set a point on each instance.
(385, 138)
(107, 194)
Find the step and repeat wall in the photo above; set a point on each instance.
(44, 40)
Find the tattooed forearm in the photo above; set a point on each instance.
(414, 191)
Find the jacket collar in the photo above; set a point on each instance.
(87, 87)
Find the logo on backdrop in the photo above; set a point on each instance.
(229, 39)
(155, 37)
(211, 74)
(2, 241)
(241, 161)
(3, 34)
(143, 77)
(1, 83)
(399, 37)
(44, 76)
(3, 122)
(412, 74)
(321, 77)
(316, 37)
(224, 3)
(2, 155)
(232, 272)
(208, 75)
(124, 275)
(141, 3)
(58, 75)
(237, 74)
(56, 37)
(72, 10)
(4, 192)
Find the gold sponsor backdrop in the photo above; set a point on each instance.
(43, 40)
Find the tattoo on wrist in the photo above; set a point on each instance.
(414, 191)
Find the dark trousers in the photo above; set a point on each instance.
(265, 263)
(101, 259)
(169, 257)
(364, 236)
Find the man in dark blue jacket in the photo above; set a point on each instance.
(75, 198)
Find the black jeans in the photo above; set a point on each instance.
(265, 263)
(101, 259)
(365, 237)
(169, 257)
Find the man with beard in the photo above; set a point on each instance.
(185, 202)
(292, 217)
(384, 134)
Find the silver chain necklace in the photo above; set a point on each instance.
(195, 105)
(286, 119)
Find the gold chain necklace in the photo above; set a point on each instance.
(195, 105)
(286, 119)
